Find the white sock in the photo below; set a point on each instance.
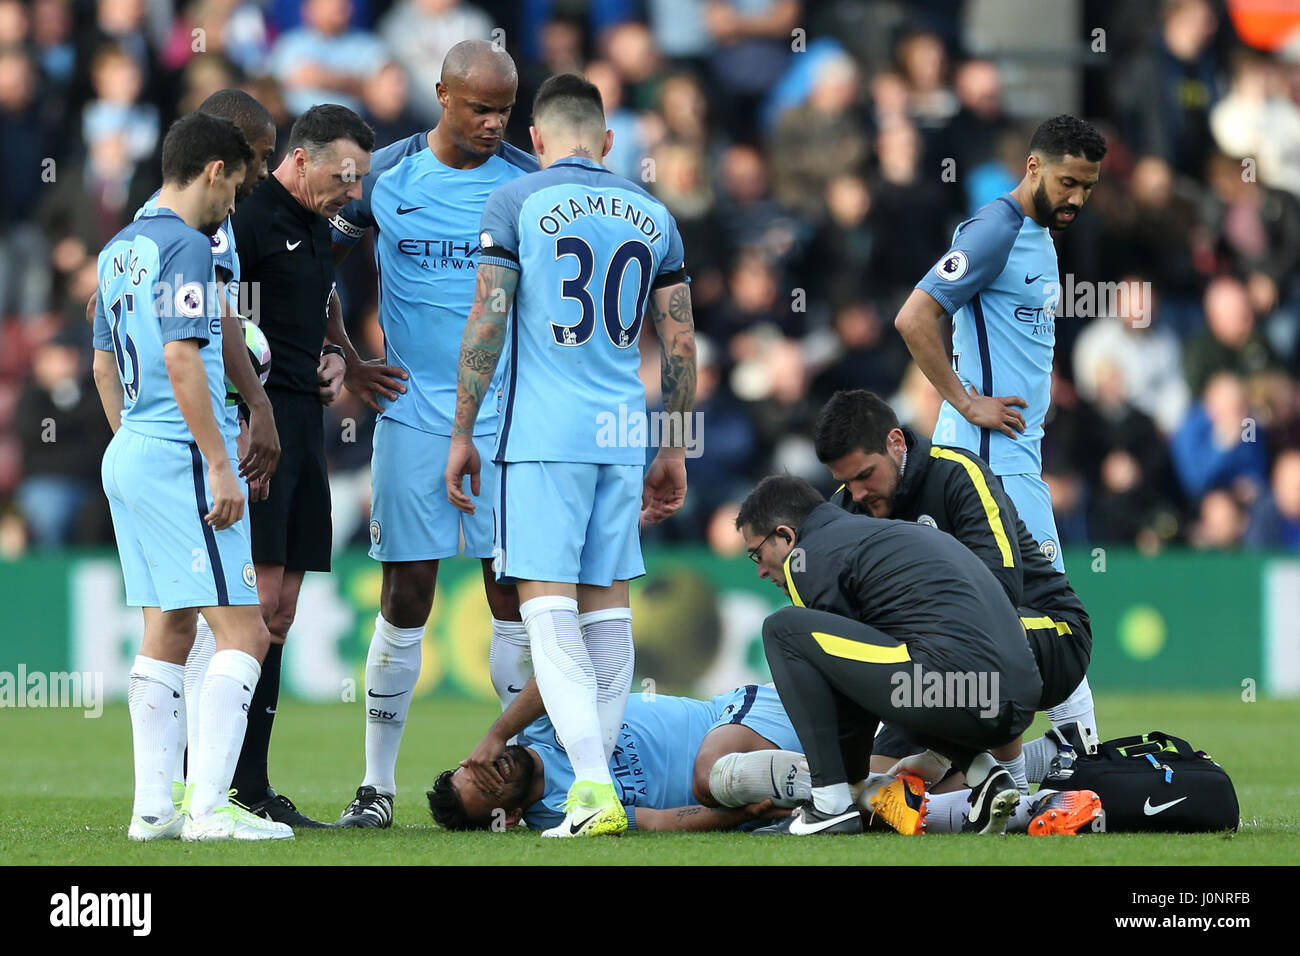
(510, 662)
(740, 779)
(223, 718)
(196, 668)
(567, 682)
(1016, 767)
(154, 701)
(1078, 706)
(833, 799)
(946, 812)
(1038, 756)
(392, 670)
(608, 636)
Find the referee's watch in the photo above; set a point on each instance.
(333, 350)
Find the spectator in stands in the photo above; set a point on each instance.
(1230, 341)
(24, 252)
(325, 60)
(869, 355)
(1149, 358)
(819, 140)
(63, 433)
(751, 49)
(840, 253)
(1275, 517)
(419, 33)
(1164, 94)
(387, 106)
(750, 217)
(923, 64)
(235, 29)
(1222, 523)
(116, 110)
(627, 156)
(971, 138)
(680, 180)
(755, 299)
(1259, 119)
(1220, 445)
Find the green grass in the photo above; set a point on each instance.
(66, 788)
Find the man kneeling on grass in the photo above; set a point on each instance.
(680, 764)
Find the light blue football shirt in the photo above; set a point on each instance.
(589, 246)
(999, 281)
(157, 285)
(425, 216)
(224, 254)
(652, 761)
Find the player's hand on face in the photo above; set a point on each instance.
(329, 373)
(366, 380)
(462, 460)
(664, 491)
(479, 765)
(261, 453)
(227, 498)
(997, 412)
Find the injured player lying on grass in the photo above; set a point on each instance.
(680, 764)
(685, 764)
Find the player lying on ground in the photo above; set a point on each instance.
(891, 472)
(737, 753)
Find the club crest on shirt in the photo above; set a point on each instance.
(953, 266)
(376, 532)
(250, 575)
(1048, 548)
(927, 521)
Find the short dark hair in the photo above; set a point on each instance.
(1067, 135)
(241, 109)
(576, 101)
(447, 808)
(852, 419)
(321, 125)
(197, 139)
(778, 500)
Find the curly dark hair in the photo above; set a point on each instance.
(853, 419)
(446, 806)
(1068, 135)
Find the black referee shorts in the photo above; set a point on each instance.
(1062, 646)
(292, 526)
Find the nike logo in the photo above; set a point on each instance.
(403, 211)
(514, 690)
(574, 828)
(803, 826)
(292, 245)
(373, 694)
(1152, 811)
(1030, 279)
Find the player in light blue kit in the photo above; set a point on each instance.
(423, 198)
(999, 281)
(674, 768)
(170, 477)
(589, 255)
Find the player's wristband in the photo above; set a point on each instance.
(333, 350)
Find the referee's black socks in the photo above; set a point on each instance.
(250, 774)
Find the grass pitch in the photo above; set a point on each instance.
(67, 784)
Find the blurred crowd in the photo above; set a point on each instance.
(816, 156)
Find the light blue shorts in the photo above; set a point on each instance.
(760, 709)
(171, 558)
(410, 516)
(1030, 495)
(569, 522)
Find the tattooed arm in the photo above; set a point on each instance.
(705, 818)
(665, 482)
(480, 350)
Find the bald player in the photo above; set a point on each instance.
(574, 259)
(423, 199)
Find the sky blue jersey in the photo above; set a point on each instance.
(157, 285)
(426, 252)
(999, 281)
(224, 255)
(589, 247)
(652, 762)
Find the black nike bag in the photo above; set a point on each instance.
(1154, 782)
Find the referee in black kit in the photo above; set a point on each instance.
(282, 235)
